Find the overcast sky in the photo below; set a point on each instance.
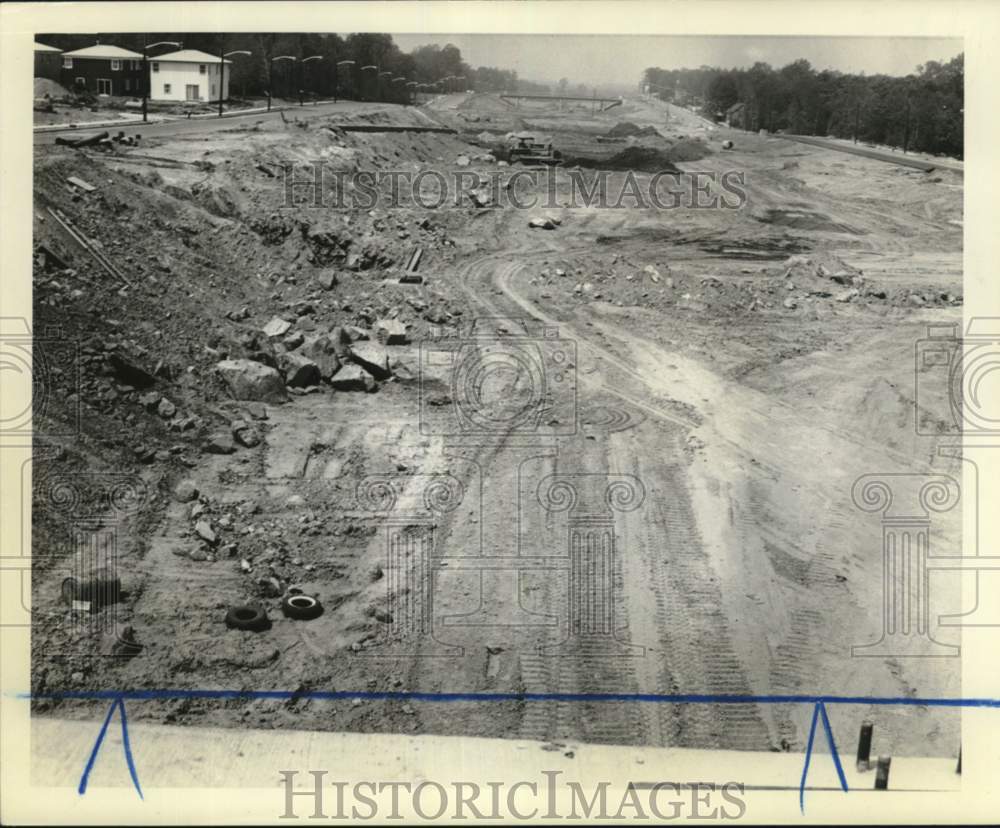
(622, 59)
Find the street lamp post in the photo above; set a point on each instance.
(270, 78)
(146, 82)
(222, 74)
(336, 75)
(373, 68)
(302, 72)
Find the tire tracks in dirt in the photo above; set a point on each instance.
(670, 595)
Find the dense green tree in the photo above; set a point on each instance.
(923, 111)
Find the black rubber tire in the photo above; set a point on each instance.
(100, 590)
(250, 617)
(301, 607)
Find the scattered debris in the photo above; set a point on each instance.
(81, 184)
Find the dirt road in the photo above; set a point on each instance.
(676, 515)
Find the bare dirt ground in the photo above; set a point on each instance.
(746, 366)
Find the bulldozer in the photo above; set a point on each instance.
(522, 148)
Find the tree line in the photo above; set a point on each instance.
(255, 74)
(922, 112)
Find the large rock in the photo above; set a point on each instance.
(299, 370)
(245, 434)
(324, 350)
(391, 332)
(203, 529)
(327, 280)
(219, 443)
(249, 380)
(373, 358)
(185, 491)
(352, 378)
(276, 327)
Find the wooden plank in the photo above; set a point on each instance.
(415, 257)
(83, 185)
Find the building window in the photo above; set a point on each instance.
(156, 67)
(201, 68)
(103, 86)
(81, 82)
(128, 85)
(116, 65)
(67, 63)
(136, 65)
(166, 89)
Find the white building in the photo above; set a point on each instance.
(187, 75)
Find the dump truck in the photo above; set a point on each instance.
(522, 148)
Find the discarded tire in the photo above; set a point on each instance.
(99, 590)
(301, 607)
(248, 617)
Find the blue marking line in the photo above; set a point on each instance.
(118, 704)
(819, 702)
(819, 713)
(390, 695)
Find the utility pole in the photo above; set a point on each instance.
(222, 72)
(269, 72)
(906, 126)
(302, 72)
(267, 60)
(336, 75)
(146, 79)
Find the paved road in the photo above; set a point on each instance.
(924, 164)
(204, 125)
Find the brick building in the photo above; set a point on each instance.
(103, 70)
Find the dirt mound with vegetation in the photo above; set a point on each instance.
(624, 129)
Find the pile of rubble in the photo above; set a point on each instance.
(799, 282)
(280, 359)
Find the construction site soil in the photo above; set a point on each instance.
(745, 365)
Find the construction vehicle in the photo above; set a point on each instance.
(522, 148)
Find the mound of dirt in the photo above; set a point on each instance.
(44, 86)
(624, 129)
(689, 149)
(642, 159)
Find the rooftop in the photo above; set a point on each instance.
(41, 47)
(188, 56)
(103, 51)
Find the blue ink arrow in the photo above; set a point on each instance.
(819, 711)
(119, 704)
